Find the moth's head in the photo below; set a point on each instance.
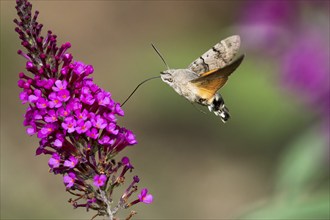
(168, 76)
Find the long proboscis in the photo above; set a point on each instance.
(155, 77)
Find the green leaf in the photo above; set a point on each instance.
(317, 208)
(303, 164)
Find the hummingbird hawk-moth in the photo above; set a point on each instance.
(202, 79)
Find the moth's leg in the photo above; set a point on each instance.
(200, 110)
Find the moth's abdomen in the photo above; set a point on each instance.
(219, 108)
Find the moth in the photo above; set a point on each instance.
(200, 82)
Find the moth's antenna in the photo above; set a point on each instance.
(160, 55)
(155, 77)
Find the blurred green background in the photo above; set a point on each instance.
(270, 161)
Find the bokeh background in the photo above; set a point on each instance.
(270, 161)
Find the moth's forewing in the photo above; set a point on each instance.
(218, 56)
(225, 71)
(210, 82)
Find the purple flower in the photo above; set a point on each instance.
(136, 179)
(118, 110)
(106, 140)
(54, 161)
(71, 162)
(49, 83)
(145, 197)
(51, 117)
(64, 112)
(33, 98)
(38, 114)
(73, 117)
(69, 179)
(65, 70)
(103, 98)
(130, 138)
(99, 180)
(299, 42)
(58, 143)
(78, 67)
(305, 67)
(24, 97)
(69, 124)
(46, 130)
(89, 69)
(110, 116)
(83, 126)
(42, 103)
(112, 128)
(268, 11)
(31, 131)
(126, 162)
(85, 90)
(63, 95)
(265, 25)
(75, 104)
(92, 133)
(99, 122)
(81, 114)
(29, 65)
(87, 99)
(60, 85)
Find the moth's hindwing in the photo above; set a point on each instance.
(208, 88)
(218, 56)
(210, 82)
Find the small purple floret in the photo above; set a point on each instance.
(54, 161)
(145, 197)
(99, 180)
(71, 162)
(69, 179)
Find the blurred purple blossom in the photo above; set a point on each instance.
(272, 12)
(265, 24)
(74, 119)
(297, 42)
(305, 68)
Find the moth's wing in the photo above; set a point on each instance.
(210, 82)
(219, 56)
